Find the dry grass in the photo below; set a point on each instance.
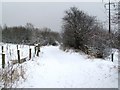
(11, 76)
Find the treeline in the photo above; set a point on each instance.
(29, 35)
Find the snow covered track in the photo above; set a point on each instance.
(55, 68)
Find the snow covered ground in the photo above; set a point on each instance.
(55, 68)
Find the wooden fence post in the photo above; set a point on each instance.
(38, 50)
(18, 53)
(3, 60)
(2, 49)
(38, 53)
(112, 57)
(17, 47)
(29, 53)
(35, 50)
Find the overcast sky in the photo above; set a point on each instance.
(48, 14)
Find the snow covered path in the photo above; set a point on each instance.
(58, 69)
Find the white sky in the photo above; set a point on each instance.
(46, 14)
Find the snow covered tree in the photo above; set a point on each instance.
(30, 28)
(116, 17)
(84, 32)
(116, 22)
(76, 24)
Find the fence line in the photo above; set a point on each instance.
(19, 58)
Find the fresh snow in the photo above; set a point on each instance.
(55, 68)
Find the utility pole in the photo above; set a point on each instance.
(109, 19)
(110, 30)
(110, 8)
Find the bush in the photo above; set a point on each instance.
(84, 32)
